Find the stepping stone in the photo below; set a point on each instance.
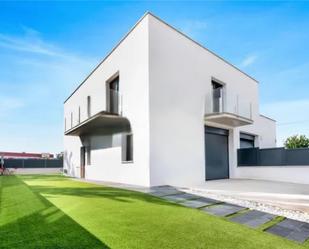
(198, 203)
(253, 218)
(161, 193)
(180, 197)
(163, 187)
(163, 190)
(291, 229)
(223, 209)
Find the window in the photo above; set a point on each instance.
(79, 114)
(71, 119)
(65, 124)
(88, 106)
(88, 154)
(246, 141)
(127, 148)
(114, 84)
(217, 94)
(112, 95)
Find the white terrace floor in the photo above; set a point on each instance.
(289, 199)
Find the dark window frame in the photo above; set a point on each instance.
(88, 155)
(247, 138)
(79, 114)
(112, 84)
(88, 106)
(127, 148)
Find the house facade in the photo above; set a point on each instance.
(162, 109)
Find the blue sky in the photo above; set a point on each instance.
(47, 48)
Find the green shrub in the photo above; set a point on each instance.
(296, 141)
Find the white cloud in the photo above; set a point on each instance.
(249, 60)
(32, 100)
(193, 27)
(28, 45)
(32, 42)
(9, 105)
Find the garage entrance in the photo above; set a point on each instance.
(216, 153)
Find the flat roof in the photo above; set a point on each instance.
(178, 31)
(268, 118)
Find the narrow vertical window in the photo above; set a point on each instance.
(79, 114)
(112, 95)
(88, 152)
(127, 148)
(71, 119)
(88, 106)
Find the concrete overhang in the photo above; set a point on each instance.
(101, 123)
(228, 119)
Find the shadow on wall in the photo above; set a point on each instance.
(109, 135)
(68, 163)
(105, 142)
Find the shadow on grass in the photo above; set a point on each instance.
(88, 190)
(25, 225)
(45, 177)
(111, 193)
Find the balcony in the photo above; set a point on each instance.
(231, 110)
(110, 121)
(100, 124)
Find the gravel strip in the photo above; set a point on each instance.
(292, 214)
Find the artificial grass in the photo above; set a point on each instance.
(39, 211)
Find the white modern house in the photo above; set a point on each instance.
(162, 109)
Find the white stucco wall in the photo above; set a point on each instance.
(165, 80)
(130, 59)
(295, 174)
(180, 83)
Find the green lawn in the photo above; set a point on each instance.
(56, 212)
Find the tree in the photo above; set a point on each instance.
(296, 141)
(59, 155)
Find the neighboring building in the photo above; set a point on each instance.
(162, 109)
(24, 155)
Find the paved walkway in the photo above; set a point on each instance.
(290, 196)
(291, 229)
(288, 228)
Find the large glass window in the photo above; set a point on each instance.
(217, 92)
(112, 95)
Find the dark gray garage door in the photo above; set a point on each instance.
(216, 152)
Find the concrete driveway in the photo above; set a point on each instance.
(288, 199)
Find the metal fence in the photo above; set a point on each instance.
(33, 163)
(273, 157)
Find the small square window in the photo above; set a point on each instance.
(246, 141)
